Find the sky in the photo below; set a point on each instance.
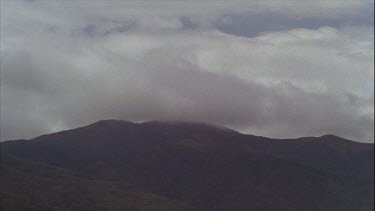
(281, 69)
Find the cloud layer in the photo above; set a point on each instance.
(307, 71)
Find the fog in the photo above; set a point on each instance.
(277, 70)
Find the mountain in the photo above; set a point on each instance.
(120, 165)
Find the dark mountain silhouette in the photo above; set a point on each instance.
(119, 165)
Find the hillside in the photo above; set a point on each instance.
(119, 165)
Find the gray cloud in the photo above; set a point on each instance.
(253, 23)
(69, 64)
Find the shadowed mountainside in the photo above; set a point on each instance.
(119, 165)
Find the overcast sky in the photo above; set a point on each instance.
(280, 69)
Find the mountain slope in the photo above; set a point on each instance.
(29, 185)
(209, 167)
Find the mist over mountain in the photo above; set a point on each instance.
(120, 165)
(276, 69)
(210, 73)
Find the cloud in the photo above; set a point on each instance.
(170, 60)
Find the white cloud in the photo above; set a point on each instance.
(135, 60)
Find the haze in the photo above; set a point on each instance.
(290, 69)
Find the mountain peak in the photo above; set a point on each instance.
(330, 136)
(334, 138)
(190, 124)
(110, 122)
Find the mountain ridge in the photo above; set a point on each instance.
(193, 123)
(184, 163)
